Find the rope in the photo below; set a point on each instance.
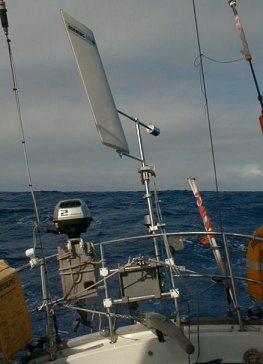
(216, 60)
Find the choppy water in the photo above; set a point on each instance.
(117, 214)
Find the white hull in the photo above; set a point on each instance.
(137, 345)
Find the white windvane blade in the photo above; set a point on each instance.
(95, 84)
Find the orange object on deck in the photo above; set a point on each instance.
(15, 330)
(255, 266)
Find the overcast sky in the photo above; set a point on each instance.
(148, 48)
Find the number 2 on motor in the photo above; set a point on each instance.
(64, 212)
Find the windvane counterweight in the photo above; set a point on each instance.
(245, 51)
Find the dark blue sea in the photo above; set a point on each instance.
(119, 214)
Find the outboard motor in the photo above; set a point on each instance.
(77, 266)
(72, 217)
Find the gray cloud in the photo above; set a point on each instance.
(148, 49)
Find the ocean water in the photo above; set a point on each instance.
(119, 214)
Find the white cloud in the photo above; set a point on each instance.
(251, 171)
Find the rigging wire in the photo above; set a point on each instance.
(203, 84)
(5, 26)
(203, 87)
(4, 21)
(36, 231)
(226, 250)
